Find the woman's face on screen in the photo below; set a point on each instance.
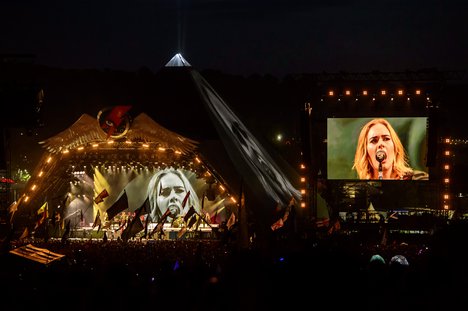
(378, 138)
(171, 193)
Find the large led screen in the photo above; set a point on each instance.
(129, 188)
(393, 148)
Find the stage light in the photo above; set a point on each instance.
(330, 93)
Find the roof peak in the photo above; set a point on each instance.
(178, 61)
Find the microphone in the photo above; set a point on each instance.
(380, 155)
(174, 211)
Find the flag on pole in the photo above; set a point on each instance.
(277, 224)
(100, 197)
(25, 234)
(231, 221)
(14, 207)
(189, 214)
(134, 226)
(184, 201)
(192, 221)
(66, 234)
(97, 220)
(120, 205)
(159, 226)
(181, 232)
(265, 175)
(42, 212)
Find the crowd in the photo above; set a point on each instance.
(337, 272)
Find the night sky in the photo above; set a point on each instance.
(240, 36)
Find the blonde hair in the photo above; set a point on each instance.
(361, 161)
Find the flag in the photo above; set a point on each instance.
(97, 220)
(393, 216)
(207, 218)
(189, 214)
(14, 207)
(324, 222)
(159, 226)
(335, 228)
(134, 226)
(192, 221)
(100, 197)
(120, 205)
(66, 234)
(184, 201)
(231, 221)
(43, 214)
(277, 224)
(199, 219)
(42, 209)
(145, 209)
(25, 234)
(248, 155)
(181, 232)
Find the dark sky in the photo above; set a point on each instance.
(240, 36)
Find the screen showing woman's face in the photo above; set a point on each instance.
(171, 194)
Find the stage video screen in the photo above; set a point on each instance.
(122, 189)
(378, 148)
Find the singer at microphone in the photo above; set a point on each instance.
(380, 155)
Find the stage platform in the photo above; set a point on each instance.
(168, 233)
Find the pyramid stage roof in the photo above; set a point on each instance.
(70, 174)
(221, 148)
